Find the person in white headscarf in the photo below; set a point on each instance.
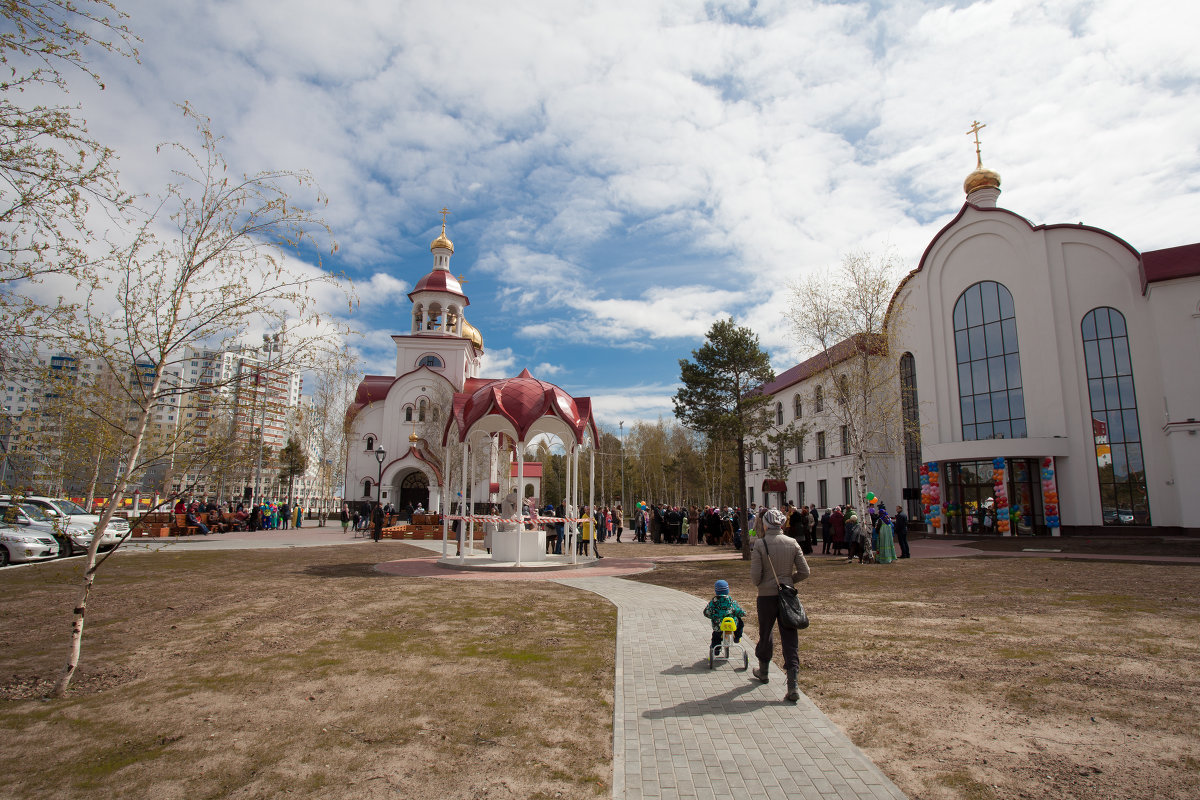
(784, 553)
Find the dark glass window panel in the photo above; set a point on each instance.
(999, 405)
(1116, 322)
(1001, 430)
(964, 379)
(1108, 362)
(1089, 326)
(1116, 431)
(1016, 404)
(1119, 464)
(1112, 397)
(1008, 329)
(996, 372)
(979, 376)
(1121, 351)
(991, 304)
(1018, 428)
(974, 306)
(962, 349)
(1096, 391)
(1103, 331)
(960, 315)
(1133, 431)
(968, 410)
(1007, 311)
(1012, 364)
(1128, 400)
(1091, 357)
(1133, 456)
(993, 338)
(978, 343)
(983, 408)
(983, 431)
(968, 433)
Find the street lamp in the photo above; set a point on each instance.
(270, 344)
(380, 455)
(621, 425)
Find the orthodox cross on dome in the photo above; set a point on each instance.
(446, 211)
(976, 127)
(461, 279)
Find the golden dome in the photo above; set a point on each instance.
(412, 437)
(469, 331)
(981, 178)
(442, 241)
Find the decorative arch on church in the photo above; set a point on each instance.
(991, 397)
(431, 360)
(418, 316)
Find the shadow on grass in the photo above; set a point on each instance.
(361, 570)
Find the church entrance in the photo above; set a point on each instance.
(413, 489)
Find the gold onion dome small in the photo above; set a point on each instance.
(442, 241)
(981, 178)
(412, 437)
(469, 331)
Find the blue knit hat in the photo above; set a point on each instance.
(721, 587)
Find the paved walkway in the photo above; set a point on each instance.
(681, 730)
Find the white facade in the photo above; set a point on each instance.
(1031, 415)
(402, 412)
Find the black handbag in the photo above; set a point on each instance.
(791, 610)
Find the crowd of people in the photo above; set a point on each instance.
(213, 517)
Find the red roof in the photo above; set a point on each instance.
(522, 400)
(1173, 262)
(440, 280)
(806, 369)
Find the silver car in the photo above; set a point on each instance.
(21, 543)
(78, 525)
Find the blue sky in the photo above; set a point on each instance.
(620, 174)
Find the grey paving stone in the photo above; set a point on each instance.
(681, 730)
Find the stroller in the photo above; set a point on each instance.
(723, 649)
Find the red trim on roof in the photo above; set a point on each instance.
(1169, 263)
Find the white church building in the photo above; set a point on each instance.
(1052, 376)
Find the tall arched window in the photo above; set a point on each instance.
(408, 413)
(367, 485)
(990, 396)
(818, 399)
(797, 407)
(1120, 467)
(911, 421)
(370, 443)
(421, 410)
(779, 413)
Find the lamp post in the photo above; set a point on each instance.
(270, 344)
(380, 455)
(621, 426)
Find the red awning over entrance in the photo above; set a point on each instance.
(774, 486)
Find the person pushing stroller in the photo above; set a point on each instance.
(720, 607)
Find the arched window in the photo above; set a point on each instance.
(990, 396)
(421, 411)
(370, 443)
(367, 486)
(779, 413)
(797, 407)
(819, 399)
(1120, 466)
(418, 315)
(431, 361)
(408, 413)
(911, 422)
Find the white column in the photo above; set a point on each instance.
(573, 504)
(462, 524)
(469, 527)
(445, 499)
(520, 454)
(592, 492)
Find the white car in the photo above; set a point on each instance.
(80, 525)
(18, 543)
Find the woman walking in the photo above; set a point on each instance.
(775, 559)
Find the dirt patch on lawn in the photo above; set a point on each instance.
(303, 673)
(998, 678)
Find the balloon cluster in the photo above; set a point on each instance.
(871, 498)
(1000, 494)
(931, 494)
(1050, 493)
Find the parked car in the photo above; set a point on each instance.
(71, 539)
(79, 525)
(21, 543)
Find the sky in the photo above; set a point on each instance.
(622, 173)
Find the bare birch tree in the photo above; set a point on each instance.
(843, 317)
(217, 276)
